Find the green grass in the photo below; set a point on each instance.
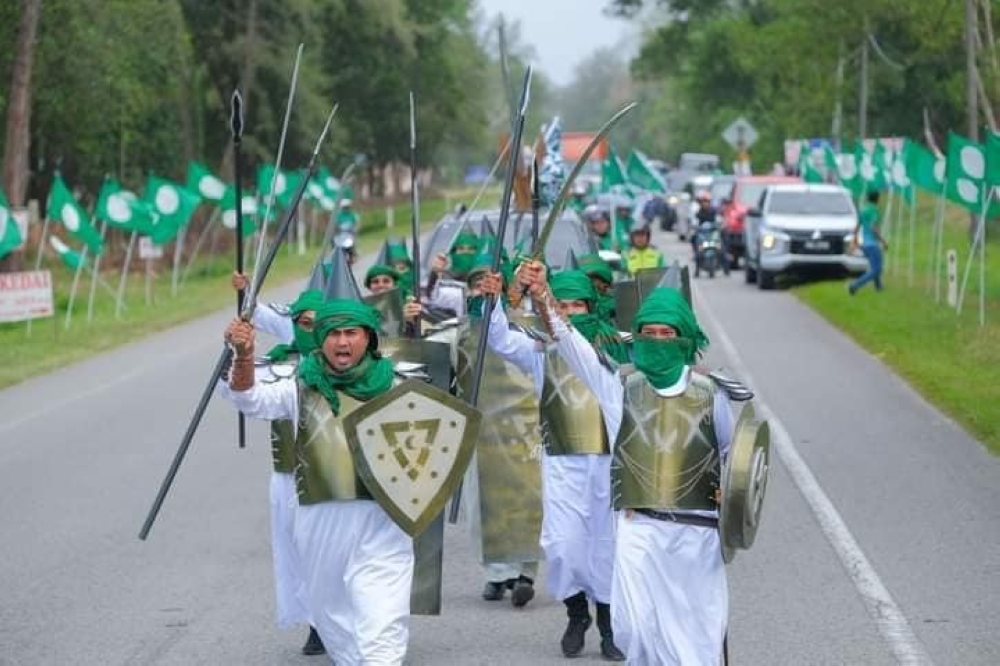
(948, 358)
(51, 346)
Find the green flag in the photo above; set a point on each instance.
(204, 182)
(924, 168)
(71, 258)
(62, 207)
(869, 169)
(641, 174)
(10, 234)
(896, 174)
(612, 172)
(992, 159)
(845, 166)
(174, 203)
(285, 184)
(965, 172)
(121, 208)
(807, 168)
(229, 211)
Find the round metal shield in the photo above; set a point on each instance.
(744, 483)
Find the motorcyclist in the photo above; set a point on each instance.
(600, 226)
(624, 222)
(707, 221)
(642, 255)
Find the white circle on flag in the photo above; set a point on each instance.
(315, 190)
(229, 219)
(939, 168)
(118, 208)
(280, 183)
(331, 183)
(3, 221)
(167, 200)
(249, 206)
(327, 203)
(848, 169)
(899, 176)
(972, 162)
(867, 168)
(211, 187)
(967, 190)
(70, 217)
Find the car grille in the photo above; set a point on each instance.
(804, 242)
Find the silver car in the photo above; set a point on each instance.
(800, 227)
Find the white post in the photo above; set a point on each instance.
(938, 245)
(982, 261)
(952, 268)
(913, 222)
(120, 298)
(977, 239)
(38, 257)
(149, 283)
(76, 283)
(178, 249)
(888, 230)
(95, 272)
(389, 217)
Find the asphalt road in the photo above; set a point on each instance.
(880, 543)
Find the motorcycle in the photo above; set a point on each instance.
(709, 252)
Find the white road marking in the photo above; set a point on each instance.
(888, 618)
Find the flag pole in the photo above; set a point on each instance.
(982, 261)
(120, 297)
(38, 259)
(976, 241)
(913, 221)
(178, 250)
(198, 243)
(890, 229)
(76, 283)
(95, 272)
(937, 244)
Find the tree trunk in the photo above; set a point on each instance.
(18, 142)
(247, 77)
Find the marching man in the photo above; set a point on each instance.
(671, 429)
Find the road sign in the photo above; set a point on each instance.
(26, 295)
(148, 249)
(740, 134)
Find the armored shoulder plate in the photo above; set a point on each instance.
(736, 390)
(531, 332)
(268, 371)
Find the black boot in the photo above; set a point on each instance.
(522, 592)
(609, 650)
(314, 644)
(578, 611)
(494, 591)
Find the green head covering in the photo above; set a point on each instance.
(370, 377)
(304, 342)
(592, 264)
(461, 264)
(380, 269)
(396, 251)
(663, 361)
(596, 328)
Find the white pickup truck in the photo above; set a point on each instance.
(800, 227)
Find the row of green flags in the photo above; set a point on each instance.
(965, 175)
(635, 174)
(166, 207)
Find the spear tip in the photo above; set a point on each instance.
(236, 115)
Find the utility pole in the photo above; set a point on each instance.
(971, 75)
(863, 102)
(838, 109)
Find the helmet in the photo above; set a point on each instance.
(703, 195)
(592, 213)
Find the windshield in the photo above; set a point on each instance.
(810, 203)
(722, 190)
(749, 194)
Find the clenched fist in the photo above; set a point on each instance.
(531, 275)
(412, 310)
(491, 285)
(240, 335)
(440, 264)
(240, 281)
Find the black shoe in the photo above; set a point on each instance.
(314, 644)
(578, 611)
(609, 650)
(523, 592)
(494, 591)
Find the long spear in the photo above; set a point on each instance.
(236, 126)
(414, 329)
(250, 305)
(508, 189)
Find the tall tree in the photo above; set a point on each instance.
(18, 135)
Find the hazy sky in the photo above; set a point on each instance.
(563, 32)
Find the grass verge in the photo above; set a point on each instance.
(947, 357)
(50, 345)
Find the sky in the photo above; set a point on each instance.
(563, 32)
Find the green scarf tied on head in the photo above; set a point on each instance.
(461, 264)
(593, 265)
(380, 269)
(304, 342)
(576, 286)
(663, 361)
(372, 375)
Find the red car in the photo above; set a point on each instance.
(745, 195)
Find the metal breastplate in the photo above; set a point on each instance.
(325, 469)
(572, 423)
(666, 455)
(283, 446)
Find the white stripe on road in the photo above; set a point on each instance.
(889, 619)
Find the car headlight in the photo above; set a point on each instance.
(773, 240)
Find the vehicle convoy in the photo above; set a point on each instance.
(745, 194)
(801, 227)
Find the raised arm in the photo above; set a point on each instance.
(258, 400)
(267, 318)
(510, 345)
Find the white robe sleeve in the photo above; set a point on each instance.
(722, 417)
(514, 346)
(583, 361)
(266, 319)
(269, 402)
(447, 299)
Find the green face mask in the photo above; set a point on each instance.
(305, 341)
(599, 332)
(462, 263)
(662, 361)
